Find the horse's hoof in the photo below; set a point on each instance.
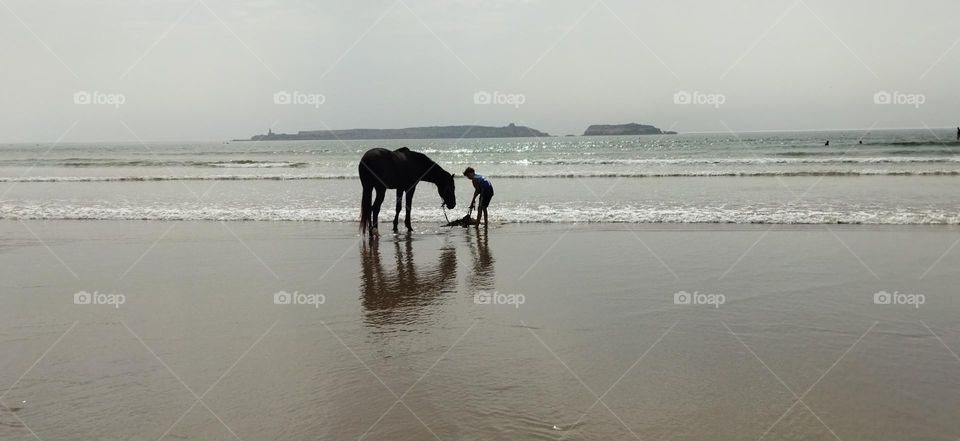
(374, 232)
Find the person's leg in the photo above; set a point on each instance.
(480, 205)
(486, 204)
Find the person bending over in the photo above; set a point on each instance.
(484, 189)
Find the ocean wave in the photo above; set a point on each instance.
(771, 158)
(742, 161)
(923, 143)
(89, 162)
(255, 164)
(852, 153)
(506, 215)
(549, 175)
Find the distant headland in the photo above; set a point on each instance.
(456, 132)
(624, 129)
(435, 132)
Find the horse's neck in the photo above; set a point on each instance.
(433, 173)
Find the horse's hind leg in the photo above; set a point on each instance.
(406, 221)
(365, 206)
(377, 202)
(396, 217)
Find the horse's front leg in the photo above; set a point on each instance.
(406, 221)
(396, 217)
(377, 202)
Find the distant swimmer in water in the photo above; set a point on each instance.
(827, 143)
(860, 142)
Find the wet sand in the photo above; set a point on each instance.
(586, 342)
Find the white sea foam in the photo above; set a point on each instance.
(256, 164)
(743, 161)
(539, 214)
(555, 174)
(584, 159)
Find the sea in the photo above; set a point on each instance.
(862, 177)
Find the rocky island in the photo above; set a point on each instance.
(624, 129)
(435, 132)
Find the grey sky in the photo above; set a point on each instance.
(208, 69)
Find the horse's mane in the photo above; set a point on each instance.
(418, 155)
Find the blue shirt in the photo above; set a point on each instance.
(483, 182)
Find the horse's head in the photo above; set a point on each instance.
(445, 188)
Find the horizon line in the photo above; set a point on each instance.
(707, 132)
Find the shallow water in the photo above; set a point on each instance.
(402, 349)
(895, 177)
(769, 200)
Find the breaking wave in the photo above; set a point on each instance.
(748, 161)
(287, 177)
(91, 162)
(513, 214)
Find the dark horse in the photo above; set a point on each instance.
(401, 169)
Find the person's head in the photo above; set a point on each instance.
(469, 172)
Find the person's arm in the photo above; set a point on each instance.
(476, 192)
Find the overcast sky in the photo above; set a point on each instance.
(210, 69)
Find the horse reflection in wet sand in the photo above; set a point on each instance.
(403, 293)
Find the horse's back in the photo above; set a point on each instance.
(379, 166)
(400, 168)
(375, 153)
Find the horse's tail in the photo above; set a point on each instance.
(365, 207)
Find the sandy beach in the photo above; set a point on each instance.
(520, 332)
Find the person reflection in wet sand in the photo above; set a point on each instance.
(401, 293)
(483, 277)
